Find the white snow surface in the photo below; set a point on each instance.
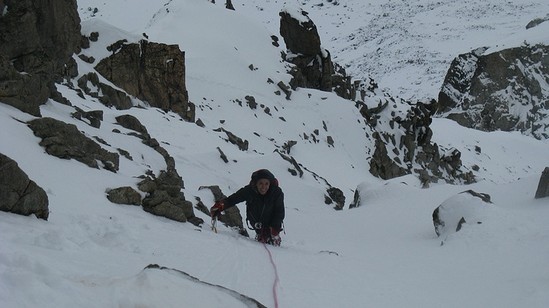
(92, 253)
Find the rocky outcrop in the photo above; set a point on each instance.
(536, 21)
(92, 118)
(466, 207)
(132, 123)
(357, 200)
(543, 185)
(313, 67)
(106, 94)
(507, 90)
(400, 129)
(152, 72)
(234, 139)
(19, 194)
(164, 196)
(124, 195)
(335, 195)
(403, 143)
(66, 141)
(35, 50)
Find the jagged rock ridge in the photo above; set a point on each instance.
(400, 129)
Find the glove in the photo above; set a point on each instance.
(217, 208)
(262, 235)
(275, 237)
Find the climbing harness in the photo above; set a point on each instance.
(255, 226)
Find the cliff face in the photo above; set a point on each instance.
(152, 72)
(37, 39)
(507, 90)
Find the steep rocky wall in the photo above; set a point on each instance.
(506, 90)
(37, 39)
(152, 72)
(313, 67)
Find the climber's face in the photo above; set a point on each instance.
(263, 186)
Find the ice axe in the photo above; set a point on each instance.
(214, 223)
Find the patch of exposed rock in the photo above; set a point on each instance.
(164, 196)
(92, 118)
(66, 141)
(403, 143)
(19, 194)
(106, 94)
(335, 195)
(124, 195)
(543, 185)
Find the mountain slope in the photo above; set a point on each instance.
(385, 253)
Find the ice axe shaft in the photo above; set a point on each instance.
(214, 223)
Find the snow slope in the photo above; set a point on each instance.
(406, 46)
(92, 253)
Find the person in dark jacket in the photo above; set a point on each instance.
(264, 206)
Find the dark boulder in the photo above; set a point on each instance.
(152, 72)
(131, 122)
(124, 195)
(66, 141)
(160, 203)
(37, 39)
(543, 186)
(19, 194)
(335, 195)
(537, 21)
(164, 198)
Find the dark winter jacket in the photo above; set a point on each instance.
(266, 209)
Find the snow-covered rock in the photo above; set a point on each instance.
(466, 207)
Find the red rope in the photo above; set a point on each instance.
(275, 283)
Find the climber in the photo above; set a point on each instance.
(264, 206)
